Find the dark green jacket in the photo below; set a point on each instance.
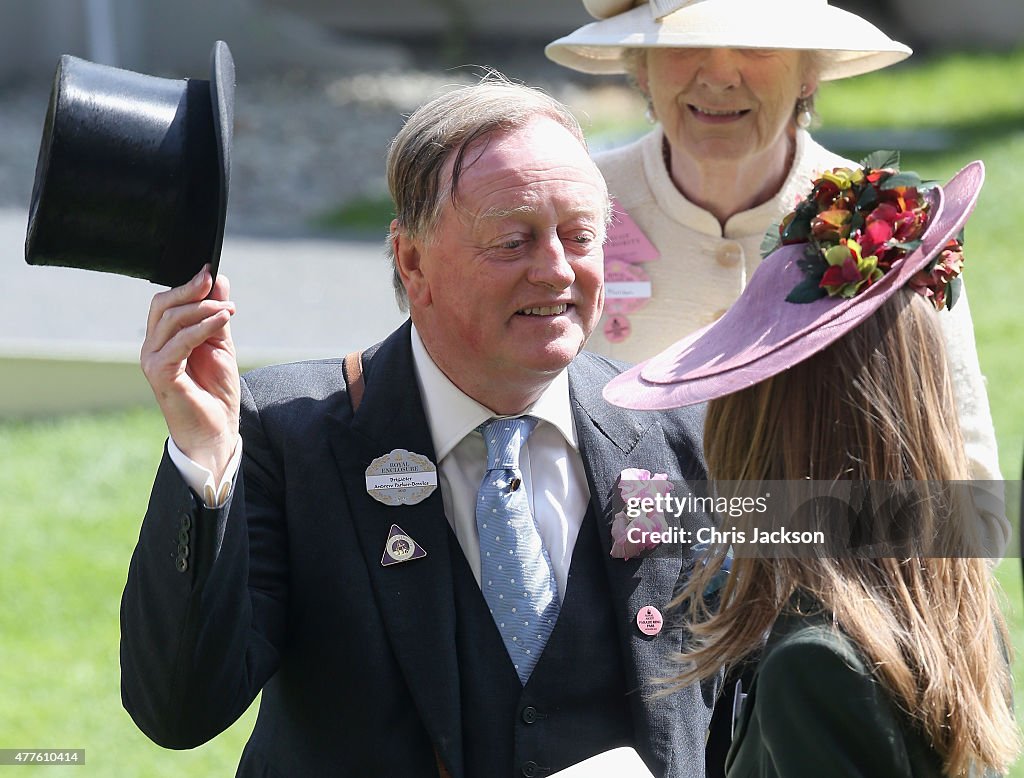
(814, 709)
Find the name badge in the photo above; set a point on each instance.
(626, 241)
(401, 477)
(627, 290)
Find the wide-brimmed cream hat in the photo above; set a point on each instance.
(848, 44)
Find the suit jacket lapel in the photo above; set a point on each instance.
(612, 439)
(415, 597)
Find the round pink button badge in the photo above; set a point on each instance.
(617, 328)
(649, 620)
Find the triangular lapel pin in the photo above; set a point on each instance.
(400, 548)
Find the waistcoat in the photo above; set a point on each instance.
(574, 704)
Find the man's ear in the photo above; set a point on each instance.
(407, 262)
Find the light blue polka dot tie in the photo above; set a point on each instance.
(515, 571)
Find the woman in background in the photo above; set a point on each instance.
(730, 87)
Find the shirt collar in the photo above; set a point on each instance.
(451, 414)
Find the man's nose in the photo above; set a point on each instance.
(551, 266)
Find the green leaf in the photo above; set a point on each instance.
(868, 199)
(813, 270)
(882, 159)
(812, 264)
(908, 245)
(796, 231)
(856, 222)
(807, 291)
(910, 178)
(771, 240)
(953, 292)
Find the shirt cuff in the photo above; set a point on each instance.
(200, 479)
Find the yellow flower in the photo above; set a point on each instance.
(845, 178)
(849, 272)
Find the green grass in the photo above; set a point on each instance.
(72, 494)
(978, 93)
(73, 491)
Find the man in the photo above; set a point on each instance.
(331, 574)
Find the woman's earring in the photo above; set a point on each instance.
(649, 114)
(804, 117)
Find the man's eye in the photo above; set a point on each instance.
(512, 244)
(584, 238)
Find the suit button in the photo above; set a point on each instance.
(530, 769)
(181, 564)
(529, 714)
(183, 551)
(183, 536)
(186, 522)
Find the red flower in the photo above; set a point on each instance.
(874, 176)
(849, 271)
(840, 275)
(877, 232)
(825, 193)
(951, 261)
(832, 225)
(933, 282)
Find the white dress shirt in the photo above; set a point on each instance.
(550, 462)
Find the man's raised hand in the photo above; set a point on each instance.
(188, 358)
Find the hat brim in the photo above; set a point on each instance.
(222, 95)
(847, 45)
(761, 334)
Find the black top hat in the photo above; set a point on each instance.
(133, 171)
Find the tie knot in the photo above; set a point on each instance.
(504, 439)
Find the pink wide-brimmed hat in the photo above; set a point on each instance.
(763, 334)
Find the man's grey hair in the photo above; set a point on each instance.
(446, 128)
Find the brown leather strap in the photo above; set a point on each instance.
(442, 772)
(354, 378)
(356, 386)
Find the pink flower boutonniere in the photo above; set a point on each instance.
(633, 526)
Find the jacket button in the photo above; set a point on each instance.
(530, 769)
(729, 254)
(529, 714)
(181, 564)
(183, 536)
(186, 522)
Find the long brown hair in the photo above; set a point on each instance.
(876, 406)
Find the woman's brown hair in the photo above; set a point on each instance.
(875, 407)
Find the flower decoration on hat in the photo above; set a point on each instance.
(857, 224)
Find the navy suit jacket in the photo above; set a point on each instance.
(282, 590)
